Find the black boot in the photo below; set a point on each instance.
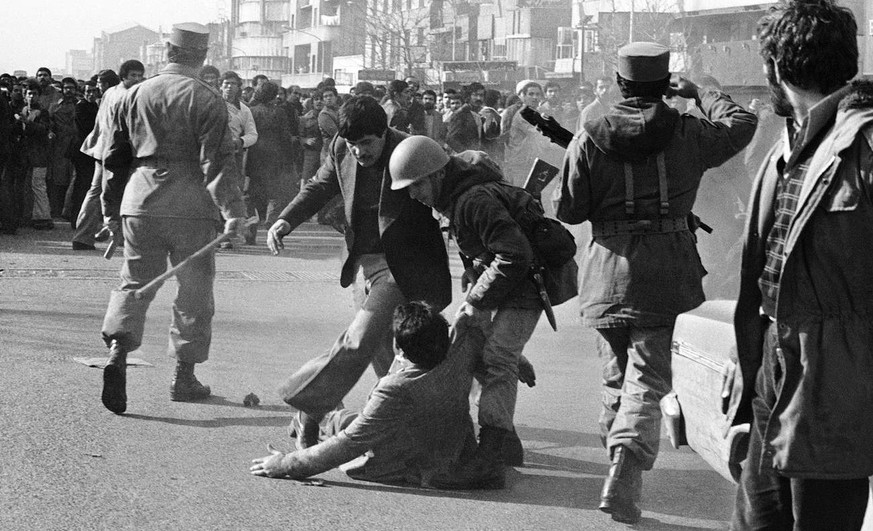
(621, 490)
(185, 387)
(501, 445)
(115, 379)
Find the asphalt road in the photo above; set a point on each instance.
(67, 463)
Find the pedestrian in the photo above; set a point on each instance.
(634, 173)
(803, 315)
(416, 426)
(16, 184)
(310, 136)
(86, 116)
(396, 104)
(434, 127)
(244, 133)
(328, 119)
(8, 225)
(485, 219)
(269, 188)
(184, 171)
(48, 93)
(393, 239)
(462, 129)
(34, 127)
(62, 136)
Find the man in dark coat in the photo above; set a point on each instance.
(392, 238)
(634, 174)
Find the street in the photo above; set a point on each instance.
(68, 463)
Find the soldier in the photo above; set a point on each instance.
(634, 174)
(183, 167)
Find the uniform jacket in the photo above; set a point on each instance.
(184, 164)
(482, 210)
(822, 423)
(415, 427)
(644, 279)
(411, 237)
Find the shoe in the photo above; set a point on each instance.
(115, 379)
(43, 224)
(79, 246)
(185, 386)
(101, 236)
(226, 245)
(304, 430)
(250, 240)
(501, 445)
(622, 487)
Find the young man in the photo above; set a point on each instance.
(393, 239)
(434, 127)
(183, 172)
(396, 105)
(63, 134)
(328, 119)
(416, 425)
(483, 212)
(603, 101)
(803, 324)
(634, 174)
(33, 125)
(462, 129)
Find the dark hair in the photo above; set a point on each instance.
(456, 96)
(642, 89)
(329, 88)
(474, 87)
(429, 91)
(44, 69)
(265, 92)
(131, 65)
(364, 87)
(230, 75)
(449, 91)
(69, 80)
(329, 82)
(109, 77)
(208, 69)
(551, 84)
(91, 83)
(813, 43)
(32, 84)
(492, 97)
(361, 116)
(397, 86)
(259, 76)
(422, 333)
(185, 56)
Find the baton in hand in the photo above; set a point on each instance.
(153, 286)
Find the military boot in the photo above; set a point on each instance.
(501, 445)
(115, 379)
(622, 488)
(185, 387)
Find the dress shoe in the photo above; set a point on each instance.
(622, 487)
(185, 386)
(304, 430)
(115, 379)
(79, 246)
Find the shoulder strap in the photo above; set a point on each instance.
(629, 206)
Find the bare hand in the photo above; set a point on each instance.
(683, 88)
(526, 373)
(269, 466)
(275, 235)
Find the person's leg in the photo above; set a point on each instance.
(81, 184)
(829, 504)
(321, 383)
(612, 345)
(90, 217)
(42, 216)
(257, 201)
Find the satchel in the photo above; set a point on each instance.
(553, 244)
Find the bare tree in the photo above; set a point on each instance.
(395, 33)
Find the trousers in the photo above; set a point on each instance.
(768, 500)
(321, 383)
(148, 242)
(41, 210)
(636, 376)
(90, 217)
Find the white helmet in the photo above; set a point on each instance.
(414, 158)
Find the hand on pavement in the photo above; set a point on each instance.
(275, 235)
(269, 466)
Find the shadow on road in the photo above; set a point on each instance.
(218, 422)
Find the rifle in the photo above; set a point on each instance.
(548, 126)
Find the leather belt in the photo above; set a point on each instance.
(639, 226)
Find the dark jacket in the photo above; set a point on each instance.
(34, 133)
(411, 237)
(822, 423)
(482, 210)
(267, 156)
(462, 131)
(644, 279)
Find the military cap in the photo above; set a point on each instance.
(644, 61)
(190, 35)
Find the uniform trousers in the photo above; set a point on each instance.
(505, 337)
(636, 376)
(768, 500)
(322, 382)
(148, 242)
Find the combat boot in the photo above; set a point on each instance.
(501, 445)
(115, 379)
(185, 387)
(622, 488)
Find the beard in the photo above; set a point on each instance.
(778, 98)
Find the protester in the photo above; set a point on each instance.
(62, 137)
(393, 239)
(328, 119)
(462, 129)
(641, 268)
(86, 116)
(604, 97)
(34, 125)
(396, 103)
(310, 136)
(48, 93)
(210, 75)
(434, 127)
(184, 172)
(803, 315)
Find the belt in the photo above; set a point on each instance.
(639, 226)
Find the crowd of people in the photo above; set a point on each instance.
(166, 159)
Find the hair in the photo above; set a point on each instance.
(259, 76)
(329, 82)
(265, 92)
(474, 86)
(185, 56)
(551, 84)
(69, 80)
(131, 65)
(429, 92)
(32, 84)
(642, 89)
(208, 69)
(329, 88)
(492, 98)
(422, 333)
(813, 43)
(456, 96)
(361, 116)
(44, 69)
(230, 75)
(449, 91)
(91, 83)
(364, 87)
(109, 77)
(397, 86)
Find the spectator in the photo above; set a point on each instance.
(210, 75)
(395, 103)
(434, 127)
(310, 136)
(328, 119)
(364, 88)
(604, 97)
(462, 130)
(62, 137)
(86, 115)
(48, 93)
(34, 125)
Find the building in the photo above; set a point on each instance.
(79, 64)
(116, 45)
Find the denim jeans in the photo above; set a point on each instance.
(768, 500)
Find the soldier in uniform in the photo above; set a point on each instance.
(634, 174)
(183, 171)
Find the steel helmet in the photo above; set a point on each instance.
(414, 158)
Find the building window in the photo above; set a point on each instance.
(592, 41)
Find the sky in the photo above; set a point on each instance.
(41, 34)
